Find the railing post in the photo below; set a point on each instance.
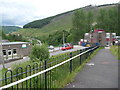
(11, 78)
(70, 62)
(80, 56)
(45, 63)
(86, 53)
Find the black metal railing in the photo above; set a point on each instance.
(51, 78)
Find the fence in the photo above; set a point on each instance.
(47, 74)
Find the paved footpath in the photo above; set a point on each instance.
(103, 74)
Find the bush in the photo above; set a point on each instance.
(114, 50)
(39, 53)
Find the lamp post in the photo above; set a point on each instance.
(1, 54)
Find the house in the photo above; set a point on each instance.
(15, 50)
(100, 37)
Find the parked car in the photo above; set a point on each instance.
(51, 47)
(67, 46)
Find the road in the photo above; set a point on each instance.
(52, 53)
(76, 47)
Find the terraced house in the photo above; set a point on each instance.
(99, 36)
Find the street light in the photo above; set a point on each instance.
(1, 54)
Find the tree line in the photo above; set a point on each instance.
(82, 22)
(106, 19)
(12, 37)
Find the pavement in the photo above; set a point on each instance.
(52, 53)
(100, 72)
(9, 64)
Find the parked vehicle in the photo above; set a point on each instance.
(67, 46)
(51, 47)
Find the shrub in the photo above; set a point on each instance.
(39, 52)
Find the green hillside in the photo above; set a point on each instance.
(56, 23)
(10, 29)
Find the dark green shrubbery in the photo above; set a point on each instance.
(39, 52)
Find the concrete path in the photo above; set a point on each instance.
(101, 72)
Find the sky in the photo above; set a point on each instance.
(20, 12)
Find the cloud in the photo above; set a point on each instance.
(20, 12)
(14, 13)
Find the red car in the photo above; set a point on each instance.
(67, 46)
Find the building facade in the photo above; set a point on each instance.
(99, 36)
(15, 50)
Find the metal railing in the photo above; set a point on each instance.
(47, 74)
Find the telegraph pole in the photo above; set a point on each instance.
(63, 38)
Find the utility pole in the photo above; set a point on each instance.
(63, 38)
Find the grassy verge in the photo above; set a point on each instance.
(2, 75)
(114, 50)
(70, 77)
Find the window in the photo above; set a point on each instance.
(99, 40)
(4, 52)
(9, 51)
(107, 35)
(14, 51)
(113, 35)
(99, 35)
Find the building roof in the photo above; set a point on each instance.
(5, 41)
(97, 30)
(13, 43)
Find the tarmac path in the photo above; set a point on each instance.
(100, 72)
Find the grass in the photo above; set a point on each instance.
(62, 23)
(70, 77)
(115, 50)
(59, 76)
(2, 74)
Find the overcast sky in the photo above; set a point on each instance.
(20, 12)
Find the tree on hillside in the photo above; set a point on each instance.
(102, 19)
(56, 38)
(113, 19)
(3, 34)
(108, 20)
(118, 25)
(89, 21)
(79, 22)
